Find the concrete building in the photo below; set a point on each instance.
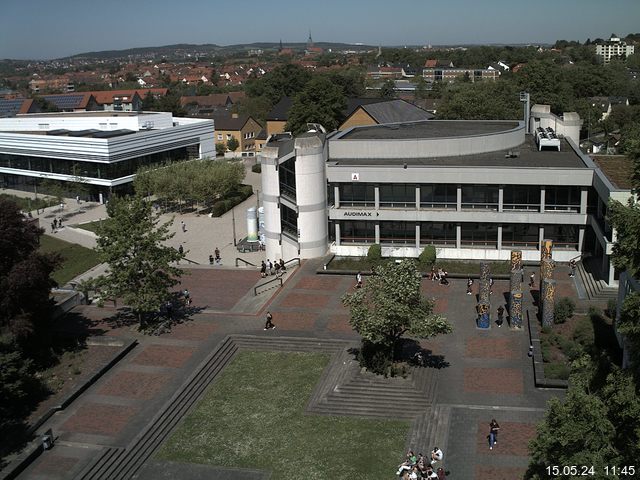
(613, 48)
(473, 189)
(105, 149)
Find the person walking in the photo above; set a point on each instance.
(263, 269)
(53, 226)
(187, 297)
(500, 315)
(532, 279)
(270, 265)
(490, 285)
(217, 254)
(283, 268)
(181, 250)
(469, 286)
(493, 433)
(210, 259)
(572, 266)
(359, 280)
(269, 322)
(183, 226)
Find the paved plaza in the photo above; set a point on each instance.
(483, 374)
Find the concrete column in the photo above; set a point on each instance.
(546, 250)
(459, 199)
(516, 260)
(484, 316)
(336, 196)
(337, 226)
(376, 197)
(581, 238)
(612, 274)
(499, 237)
(418, 198)
(547, 267)
(418, 237)
(500, 198)
(458, 236)
(540, 237)
(377, 230)
(542, 198)
(583, 200)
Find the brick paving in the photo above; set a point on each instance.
(134, 384)
(55, 465)
(484, 374)
(100, 419)
(493, 380)
(164, 356)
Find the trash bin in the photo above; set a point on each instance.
(46, 442)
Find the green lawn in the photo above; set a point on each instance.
(75, 258)
(253, 417)
(28, 204)
(91, 226)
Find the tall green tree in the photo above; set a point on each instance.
(233, 144)
(141, 267)
(390, 306)
(320, 101)
(387, 89)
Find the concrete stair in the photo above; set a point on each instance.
(430, 430)
(595, 289)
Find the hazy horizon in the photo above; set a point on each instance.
(41, 30)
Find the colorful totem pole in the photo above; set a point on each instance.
(484, 302)
(515, 309)
(484, 316)
(547, 267)
(548, 302)
(516, 260)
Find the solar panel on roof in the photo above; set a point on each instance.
(10, 107)
(64, 101)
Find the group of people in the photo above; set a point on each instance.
(272, 268)
(439, 276)
(56, 224)
(419, 466)
(217, 259)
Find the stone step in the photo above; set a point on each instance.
(379, 394)
(290, 343)
(359, 410)
(98, 467)
(131, 459)
(595, 289)
(430, 430)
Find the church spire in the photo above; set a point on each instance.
(310, 40)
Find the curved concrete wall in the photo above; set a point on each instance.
(428, 147)
(311, 196)
(270, 194)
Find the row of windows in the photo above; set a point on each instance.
(109, 171)
(444, 234)
(515, 197)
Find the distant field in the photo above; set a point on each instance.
(76, 258)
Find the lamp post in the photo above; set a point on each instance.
(233, 224)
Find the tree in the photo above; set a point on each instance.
(388, 89)
(390, 306)
(220, 149)
(233, 144)
(140, 265)
(149, 103)
(284, 81)
(25, 281)
(497, 100)
(629, 325)
(320, 102)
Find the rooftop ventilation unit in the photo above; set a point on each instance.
(547, 138)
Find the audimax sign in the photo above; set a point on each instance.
(359, 213)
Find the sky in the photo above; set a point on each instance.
(46, 29)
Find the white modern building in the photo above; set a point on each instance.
(473, 189)
(613, 48)
(104, 149)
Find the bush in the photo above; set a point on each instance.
(374, 254)
(584, 333)
(257, 168)
(563, 310)
(557, 370)
(427, 257)
(375, 357)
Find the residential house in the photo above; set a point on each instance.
(73, 102)
(60, 83)
(382, 111)
(241, 127)
(210, 104)
(613, 48)
(606, 104)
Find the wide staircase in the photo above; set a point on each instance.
(588, 273)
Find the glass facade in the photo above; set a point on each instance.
(403, 233)
(562, 199)
(439, 196)
(401, 195)
(289, 222)
(108, 171)
(563, 236)
(357, 194)
(520, 235)
(479, 235)
(357, 232)
(484, 197)
(434, 233)
(521, 197)
(287, 177)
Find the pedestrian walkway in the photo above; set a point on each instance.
(481, 375)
